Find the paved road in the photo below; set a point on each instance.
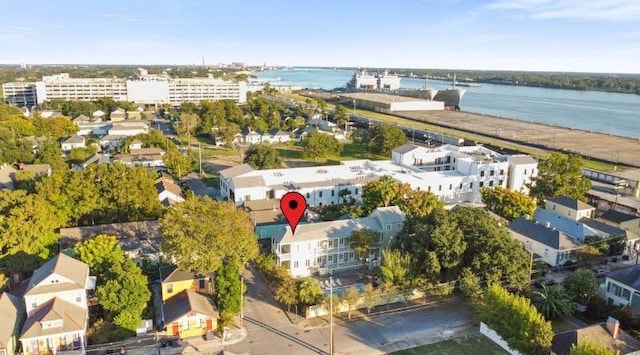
(197, 186)
(271, 332)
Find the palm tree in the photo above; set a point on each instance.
(554, 302)
(309, 291)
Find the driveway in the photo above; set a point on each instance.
(271, 332)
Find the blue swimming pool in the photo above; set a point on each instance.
(338, 290)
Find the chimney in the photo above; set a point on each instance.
(613, 326)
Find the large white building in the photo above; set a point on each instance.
(324, 246)
(454, 174)
(142, 89)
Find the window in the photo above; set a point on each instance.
(626, 293)
(333, 193)
(450, 186)
(341, 241)
(308, 196)
(492, 172)
(490, 183)
(320, 194)
(330, 243)
(169, 288)
(554, 207)
(356, 191)
(481, 183)
(439, 187)
(330, 257)
(460, 186)
(546, 252)
(398, 226)
(525, 171)
(501, 171)
(388, 227)
(263, 233)
(307, 263)
(341, 256)
(471, 185)
(482, 173)
(500, 182)
(198, 322)
(185, 324)
(295, 264)
(201, 285)
(569, 213)
(429, 189)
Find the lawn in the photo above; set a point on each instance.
(475, 344)
(350, 151)
(211, 179)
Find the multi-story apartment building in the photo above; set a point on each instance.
(454, 174)
(142, 88)
(324, 246)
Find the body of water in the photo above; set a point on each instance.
(603, 112)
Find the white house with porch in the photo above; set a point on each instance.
(323, 247)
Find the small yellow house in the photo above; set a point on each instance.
(12, 315)
(189, 313)
(174, 281)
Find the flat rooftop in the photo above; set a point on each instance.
(381, 98)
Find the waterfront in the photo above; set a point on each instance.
(602, 112)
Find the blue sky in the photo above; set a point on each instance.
(547, 35)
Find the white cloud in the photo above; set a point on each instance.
(593, 10)
(15, 33)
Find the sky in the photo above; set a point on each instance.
(542, 35)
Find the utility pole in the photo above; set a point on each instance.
(331, 314)
(530, 264)
(200, 156)
(241, 300)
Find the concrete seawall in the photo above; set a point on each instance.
(605, 147)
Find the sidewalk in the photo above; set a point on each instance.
(213, 344)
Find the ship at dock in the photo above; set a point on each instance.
(364, 81)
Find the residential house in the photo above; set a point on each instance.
(135, 144)
(187, 306)
(169, 193)
(621, 220)
(73, 142)
(128, 128)
(552, 246)
(7, 176)
(570, 208)
(607, 334)
(265, 216)
(80, 118)
(149, 157)
(454, 174)
(37, 169)
(56, 305)
(111, 142)
(188, 314)
(323, 247)
(174, 281)
(275, 136)
(118, 115)
(138, 240)
(98, 115)
(622, 287)
(134, 115)
(251, 136)
(522, 170)
(12, 316)
(94, 159)
(96, 128)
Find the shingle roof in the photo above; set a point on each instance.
(596, 333)
(185, 302)
(547, 236)
(405, 148)
(143, 230)
(236, 170)
(74, 140)
(629, 276)
(75, 271)
(603, 227)
(73, 319)
(571, 203)
(169, 186)
(171, 273)
(11, 311)
(617, 216)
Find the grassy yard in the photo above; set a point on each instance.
(560, 326)
(476, 344)
(211, 179)
(350, 151)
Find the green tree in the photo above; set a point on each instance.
(262, 156)
(362, 241)
(387, 191)
(396, 268)
(384, 138)
(188, 235)
(286, 292)
(591, 348)
(351, 296)
(188, 124)
(125, 294)
(101, 253)
(554, 302)
(507, 203)
(341, 116)
(559, 175)
(319, 145)
(516, 320)
(177, 163)
(581, 285)
(371, 296)
(229, 289)
(4, 282)
(309, 291)
(419, 203)
(50, 152)
(470, 285)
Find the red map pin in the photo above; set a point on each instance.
(293, 205)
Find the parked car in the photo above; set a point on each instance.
(600, 270)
